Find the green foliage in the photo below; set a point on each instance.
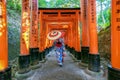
(42, 3)
(103, 8)
(104, 13)
(13, 35)
(13, 11)
(14, 5)
(107, 17)
(59, 3)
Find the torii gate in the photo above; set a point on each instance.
(60, 19)
(113, 70)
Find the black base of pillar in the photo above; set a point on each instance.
(50, 49)
(43, 54)
(24, 63)
(46, 51)
(94, 62)
(71, 50)
(74, 53)
(78, 55)
(84, 54)
(34, 53)
(6, 74)
(40, 56)
(67, 47)
(113, 74)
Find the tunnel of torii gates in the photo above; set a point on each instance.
(64, 20)
(35, 24)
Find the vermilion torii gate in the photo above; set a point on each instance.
(30, 29)
(60, 19)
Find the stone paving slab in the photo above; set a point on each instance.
(70, 71)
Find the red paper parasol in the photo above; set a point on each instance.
(53, 35)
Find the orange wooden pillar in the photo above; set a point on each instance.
(78, 54)
(66, 39)
(94, 58)
(70, 36)
(47, 40)
(79, 39)
(43, 36)
(73, 36)
(49, 44)
(114, 69)
(34, 50)
(5, 70)
(85, 32)
(24, 58)
(40, 35)
(74, 39)
(44, 40)
(79, 29)
(79, 43)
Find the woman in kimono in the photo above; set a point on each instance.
(59, 48)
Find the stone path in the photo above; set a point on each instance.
(70, 70)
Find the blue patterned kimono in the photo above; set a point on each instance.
(59, 53)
